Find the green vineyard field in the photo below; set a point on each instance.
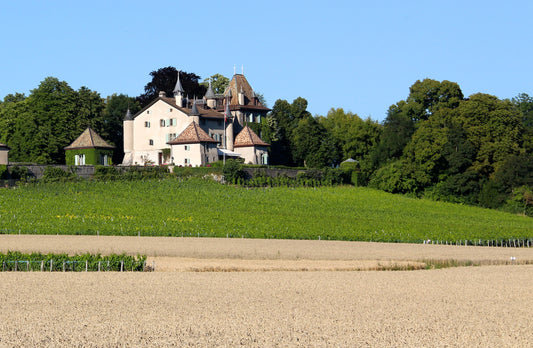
(205, 208)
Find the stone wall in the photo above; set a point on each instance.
(36, 171)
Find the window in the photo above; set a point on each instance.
(103, 160)
(162, 122)
(151, 142)
(187, 161)
(258, 119)
(264, 158)
(251, 117)
(147, 111)
(79, 160)
(187, 147)
(170, 110)
(147, 124)
(172, 121)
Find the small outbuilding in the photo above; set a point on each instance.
(89, 148)
(251, 147)
(4, 152)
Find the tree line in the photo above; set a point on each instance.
(436, 143)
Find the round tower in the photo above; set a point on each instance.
(128, 132)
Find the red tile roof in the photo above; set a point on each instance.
(193, 134)
(247, 137)
(88, 140)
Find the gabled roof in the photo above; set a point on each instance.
(247, 137)
(89, 140)
(193, 134)
(208, 113)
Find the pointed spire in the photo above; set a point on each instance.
(128, 116)
(210, 94)
(178, 88)
(194, 110)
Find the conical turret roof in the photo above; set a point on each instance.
(178, 88)
(209, 94)
(128, 116)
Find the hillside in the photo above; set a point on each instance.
(204, 208)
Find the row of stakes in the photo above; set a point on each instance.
(65, 266)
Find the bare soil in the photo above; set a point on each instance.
(271, 301)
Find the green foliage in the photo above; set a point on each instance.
(112, 119)
(92, 156)
(4, 174)
(233, 172)
(17, 261)
(164, 79)
(19, 172)
(219, 83)
(55, 174)
(352, 137)
(196, 207)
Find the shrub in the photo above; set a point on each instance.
(19, 173)
(3, 172)
(53, 174)
(233, 171)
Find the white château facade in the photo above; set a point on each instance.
(194, 133)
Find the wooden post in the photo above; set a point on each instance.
(122, 265)
(42, 265)
(16, 264)
(28, 266)
(99, 263)
(63, 266)
(153, 267)
(51, 261)
(86, 265)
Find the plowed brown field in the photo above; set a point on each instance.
(487, 306)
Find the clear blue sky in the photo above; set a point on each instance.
(361, 56)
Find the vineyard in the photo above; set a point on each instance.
(202, 208)
(20, 262)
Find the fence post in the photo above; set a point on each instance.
(28, 266)
(42, 265)
(63, 266)
(122, 265)
(16, 264)
(99, 263)
(51, 261)
(86, 265)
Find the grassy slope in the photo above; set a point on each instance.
(195, 207)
